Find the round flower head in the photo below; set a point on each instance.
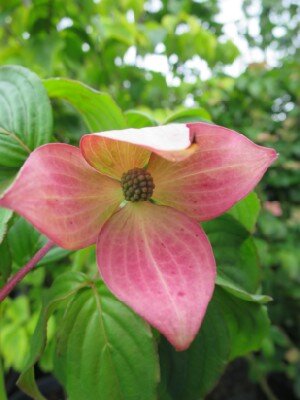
(141, 195)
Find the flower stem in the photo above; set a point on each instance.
(9, 286)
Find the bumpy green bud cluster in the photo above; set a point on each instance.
(137, 185)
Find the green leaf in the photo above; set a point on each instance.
(63, 289)
(191, 374)
(234, 289)
(98, 109)
(7, 176)
(189, 115)
(15, 345)
(246, 211)
(3, 395)
(227, 52)
(5, 216)
(235, 252)
(18, 311)
(104, 350)
(5, 256)
(5, 262)
(231, 328)
(25, 115)
(139, 119)
(55, 254)
(24, 241)
(247, 322)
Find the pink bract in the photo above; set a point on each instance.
(153, 255)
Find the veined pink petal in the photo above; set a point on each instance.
(115, 152)
(62, 196)
(159, 262)
(224, 169)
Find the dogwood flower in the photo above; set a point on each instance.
(140, 194)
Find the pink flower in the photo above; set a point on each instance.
(274, 207)
(152, 254)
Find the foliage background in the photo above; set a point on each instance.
(174, 60)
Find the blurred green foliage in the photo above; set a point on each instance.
(146, 55)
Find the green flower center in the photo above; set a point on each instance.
(137, 185)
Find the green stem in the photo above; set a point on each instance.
(262, 381)
(266, 389)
